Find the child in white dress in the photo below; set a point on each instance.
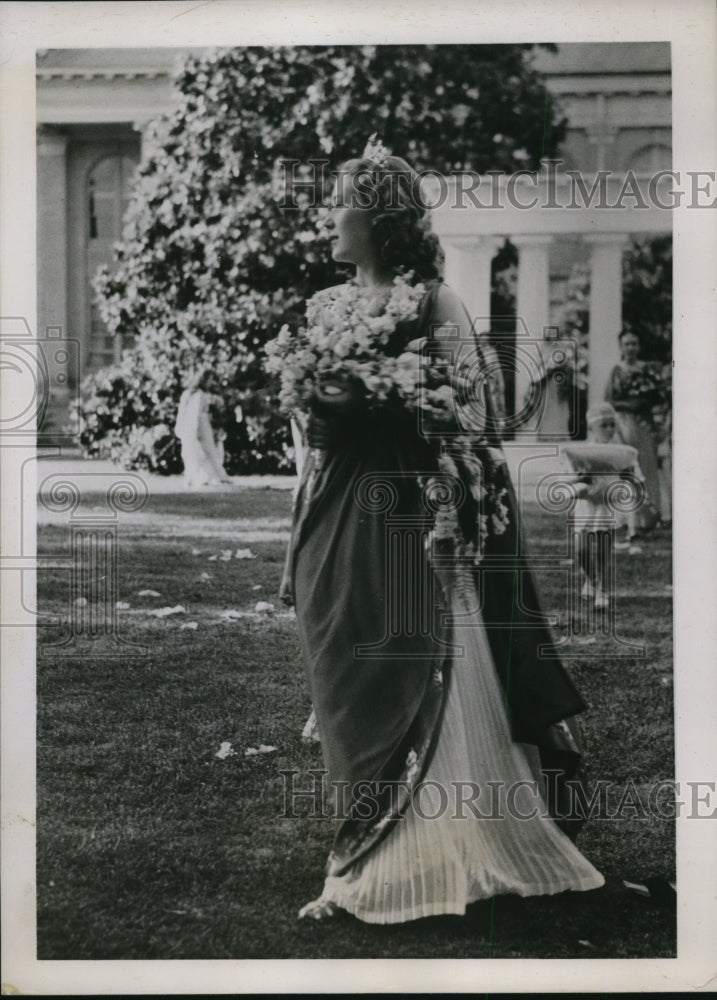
(601, 472)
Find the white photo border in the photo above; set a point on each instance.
(691, 30)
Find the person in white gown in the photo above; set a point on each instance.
(202, 454)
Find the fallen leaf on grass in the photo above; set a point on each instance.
(262, 748)
(191, 625)
(244, 554)
(225, 555)
(204, 577)
(257, 586)
(121, 605)
(224, 751)
(163, 612)
(149, 593)
(264, 607)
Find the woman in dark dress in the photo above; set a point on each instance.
(426, 694)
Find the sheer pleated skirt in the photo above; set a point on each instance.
(478, 826)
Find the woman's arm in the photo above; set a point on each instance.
(452, 339)
(450, 318)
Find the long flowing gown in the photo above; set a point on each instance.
(633, 429)
(202, 459)
(413, 701)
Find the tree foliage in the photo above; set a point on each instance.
(219, 251)
(647, 296)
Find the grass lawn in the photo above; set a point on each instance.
(152, 847)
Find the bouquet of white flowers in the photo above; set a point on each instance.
(349, 339)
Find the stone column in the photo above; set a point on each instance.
(605, 308)
(52, 239)
(533, 311)
(468, 263)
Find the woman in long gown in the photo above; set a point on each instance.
(632, 396)
(201, 454)
(426, 694)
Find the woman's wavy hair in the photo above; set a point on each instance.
(401, 228)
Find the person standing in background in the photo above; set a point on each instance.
(202, 452)
(633, 392)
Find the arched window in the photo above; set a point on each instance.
(106, 200)
(650, 159)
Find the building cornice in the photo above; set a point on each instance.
(95, 73)
(613, 85)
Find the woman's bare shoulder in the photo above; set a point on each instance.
(448, 306)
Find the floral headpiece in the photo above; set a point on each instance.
(376, 151)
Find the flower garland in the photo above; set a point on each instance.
(488, 505)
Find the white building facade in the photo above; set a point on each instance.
(93, 105)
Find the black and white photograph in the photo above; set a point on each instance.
(357, 553)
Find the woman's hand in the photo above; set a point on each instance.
(334, 402)
(336, 396)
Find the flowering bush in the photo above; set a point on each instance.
(127, 414)
(122, 415)
(647, 296)
(216, 257)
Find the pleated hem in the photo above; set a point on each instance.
(436, 866)
(445, 908)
